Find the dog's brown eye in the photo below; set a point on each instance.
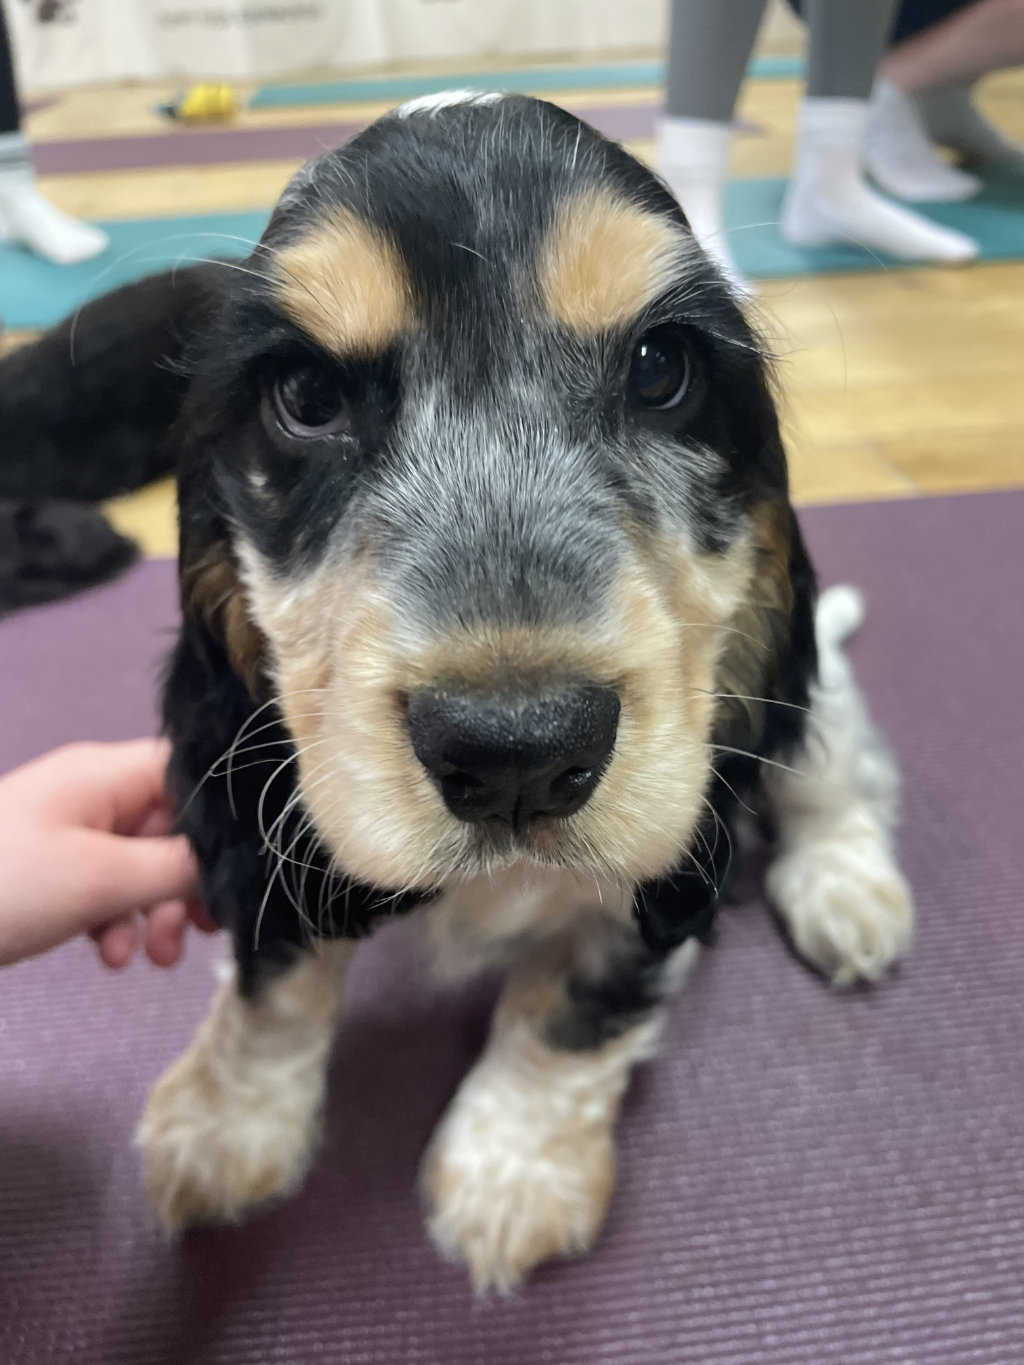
(309, 401)
(659, 372)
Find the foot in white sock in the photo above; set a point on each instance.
(902, 158)
(954, 121)
(29, 220)
(828, 201)
(693, 158)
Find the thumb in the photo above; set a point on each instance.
(130, 873)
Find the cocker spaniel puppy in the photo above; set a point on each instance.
(83, 413)
(495, 611)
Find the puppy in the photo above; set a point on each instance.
(83, 413)
(494, 609)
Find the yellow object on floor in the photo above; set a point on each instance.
(206, 104)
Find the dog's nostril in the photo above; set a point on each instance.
(572, 782)
(513, 758)
(465, 783)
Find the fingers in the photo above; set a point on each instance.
(162, 937)
(113, 787)
(165, 933)
(156, 822)
(135, 774)
(115, 942)
(120, 873)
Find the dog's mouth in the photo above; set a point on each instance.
(543, 840)
(520, 833)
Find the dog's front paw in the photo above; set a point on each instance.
(846, 906)
(506, 1190)
(213, 1150)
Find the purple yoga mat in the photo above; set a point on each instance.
(209, 146)
(807, 1178)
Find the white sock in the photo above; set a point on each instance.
(29, 220)
(901, 157)
(829, 202)
(693, 158)
(954, 120)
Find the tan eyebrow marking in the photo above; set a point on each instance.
(345, 284)
(604, 259)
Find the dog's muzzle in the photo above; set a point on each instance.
(509, 759)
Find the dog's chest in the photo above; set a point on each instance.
(485, 921)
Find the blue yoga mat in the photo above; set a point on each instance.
(542, 79)
(36, 294)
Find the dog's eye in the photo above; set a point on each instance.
(309, 401)
(659, 371)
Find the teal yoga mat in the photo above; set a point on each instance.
(995, 219)
(36, 294)
(536, 81)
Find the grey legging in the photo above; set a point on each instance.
(710, 42)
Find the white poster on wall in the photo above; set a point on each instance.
(73, 42)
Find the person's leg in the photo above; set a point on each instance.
(978, 38)
(709, 48)
(26, 218)
(845, 44)
(901, 156)
(897, 149)
(938, 66)
(828, 201)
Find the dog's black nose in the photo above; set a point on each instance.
(508, 759)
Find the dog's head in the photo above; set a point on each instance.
(501, 508)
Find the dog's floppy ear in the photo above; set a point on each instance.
(216, 781)
(213, 601)
(85, 409)
(762, 687)
(770, 658)
(233, 772)
(217, 707)
(265, 874)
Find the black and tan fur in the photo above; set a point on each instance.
(488, 507)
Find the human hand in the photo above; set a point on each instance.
(85, 847)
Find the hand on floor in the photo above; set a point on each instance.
(85, 848)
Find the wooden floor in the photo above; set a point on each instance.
(896, 383)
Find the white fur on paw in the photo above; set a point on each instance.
(847, 908)
(838, 615)
(213, 1151)
(505, 1191)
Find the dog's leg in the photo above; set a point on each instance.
(834, 880)
(522, 1166)
(235, 1120)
